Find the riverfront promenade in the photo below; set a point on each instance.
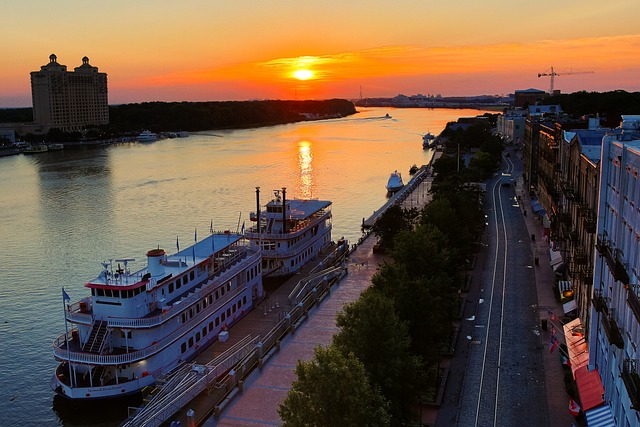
(264, 389)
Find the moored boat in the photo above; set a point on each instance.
(289, 232)
(135, 327)
(35, 149)
(147, 136)
(395, 182)
(428, 141)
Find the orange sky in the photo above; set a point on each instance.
(198, 51)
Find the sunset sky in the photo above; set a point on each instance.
(201, 50)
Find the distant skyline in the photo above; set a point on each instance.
(282, 49)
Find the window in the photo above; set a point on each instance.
(190, 342)
(192, 275)
(183, 347)
(197, 336)
(170, 287)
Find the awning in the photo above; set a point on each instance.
(570, 306)
(576, 345)
(590, 388)
(555, 258)
(537, 208)
(600, 417)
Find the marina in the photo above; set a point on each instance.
(188, 183)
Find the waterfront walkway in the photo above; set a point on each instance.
(264, 389)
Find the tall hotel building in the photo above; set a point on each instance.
(614, 335)
(66, 100)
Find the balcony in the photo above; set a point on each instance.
(573, 235)
(600, 304)
(612, 331)
(590, 223)
(612, 257)
(580, 257)
(634, 303)
(631, 381)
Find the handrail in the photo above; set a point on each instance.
(119, 359)
(253, 231)
(176, 309)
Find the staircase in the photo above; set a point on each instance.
(96, 375)
(96, 340)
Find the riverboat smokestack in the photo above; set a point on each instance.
(284, 210)
(155, 262)
(258, 208)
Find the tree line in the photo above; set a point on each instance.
(384, 360)
(130, 119)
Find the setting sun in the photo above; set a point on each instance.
(303, 74)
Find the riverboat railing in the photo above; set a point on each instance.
(119, 359)
(174, 310)
(253, 233)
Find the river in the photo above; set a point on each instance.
(64, 212)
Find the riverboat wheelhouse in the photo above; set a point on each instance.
(135, 327)
(289, 233)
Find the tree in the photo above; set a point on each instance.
(424, 251)
(332, 390)
(373, 332)
(394, 220)
(424, 302)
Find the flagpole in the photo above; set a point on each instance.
(66, 336)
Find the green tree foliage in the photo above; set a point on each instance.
(200, 116)
(332, 390)
(394, 220)
(372, 331)
(423, 302)
(610, 105)
(424, 251)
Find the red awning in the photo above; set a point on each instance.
(576, 345)
(590, 388)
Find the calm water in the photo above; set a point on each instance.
(62, 213)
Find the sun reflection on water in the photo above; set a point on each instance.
(305, 157)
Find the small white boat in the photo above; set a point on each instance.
(147, 136)
(395, 182)
(428, 141)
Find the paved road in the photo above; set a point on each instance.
(504, 379)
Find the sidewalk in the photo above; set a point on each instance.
(557, 398)
(265, 388)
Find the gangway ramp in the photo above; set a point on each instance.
(184, 383)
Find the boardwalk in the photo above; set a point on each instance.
(265, 389)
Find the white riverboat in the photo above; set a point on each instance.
(135, 327)
(395, 182)
(147, 136)
(289, 232)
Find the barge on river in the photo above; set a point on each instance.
(135, 327)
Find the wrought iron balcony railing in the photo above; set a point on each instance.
(612, 331)
(631, 381)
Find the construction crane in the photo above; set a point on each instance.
(552, 73)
